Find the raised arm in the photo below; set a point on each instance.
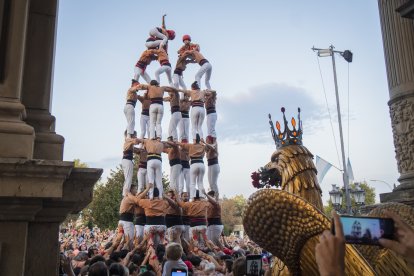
(169, 89)
(171, 202)
(211, 199)
(144, 192)
(163, 22)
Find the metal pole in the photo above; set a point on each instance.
(345, 171)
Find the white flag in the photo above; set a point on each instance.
(322, 166)
(350, 171)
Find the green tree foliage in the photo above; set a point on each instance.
(232, 211)
(79, 164)
(369, 198)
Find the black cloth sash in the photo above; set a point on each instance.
(175, 161)
(175, 108)
(197, 103)
(184, 114)
(128, 154)
(145, 112)
(155, 220)
(178, 71)
(212, 161)
(165, 63)
(140, 220)
(197, 221)
(214, 221)
(186, 220)
(171, 220)
(142, 165)
(185, 164)
(152, 156)
(156, 101)
(203, 61)
(131, 102)
(211, 110)
(126, 217)
(196, 160)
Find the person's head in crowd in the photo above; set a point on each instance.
(133, 269)
(123, 253)
(95, 259)
(209, 268)
(195, 261)
(118, 270)
(137, 259)
(184, 196)
(174, 251)
(229, 265)
(189, 266)
(171, 194)
(133, 189)
(116, 256)
(84, 271)
(92, 251)
(98, 269)
(239, 267)
(148, 273)
(82, 247)
(108, 262)
(108, 245)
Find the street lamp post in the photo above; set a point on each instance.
(336, 198)
(347, 55)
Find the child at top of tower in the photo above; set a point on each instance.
(188, 46)
(159, 36)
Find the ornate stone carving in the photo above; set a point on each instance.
(402, 117)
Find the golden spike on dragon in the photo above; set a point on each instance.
(287, 220)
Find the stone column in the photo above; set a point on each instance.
(16, 137)
(398, 39)
(37, 78)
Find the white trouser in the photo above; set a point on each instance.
(211, 124)
(174, 121)
(206, 68)
(156, 112)
(167, 70)
(174, 233)
(214, 233)
(128, 169)
(175, 177)
(142, 179)
(179, 81)
(139, 72)
(144, 121)
(139, 232)
(186, 233)
(154, 174)
(184, 128)
(197, 118)
(156, 33)
(213, 172)
(129, 111)
(156, 234)
(197, 171)
(184, 177)
(199, 234)
(128, 228)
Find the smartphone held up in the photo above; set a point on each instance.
(253, 265)
(366, 230)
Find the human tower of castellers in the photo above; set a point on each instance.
(186, 212)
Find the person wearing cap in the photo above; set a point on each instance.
(188, 46)
(173, 219)
(127, 164)
(154, 148)
(198, 111)
(174, 99)
(197, 213)
(155, 218)
(129, 109)
(184, 124)
(215, 226)
(162, 33)
(213, 167)
(156, 110)
(139, 71)
(210, 105)
(126, 210)
(144, 119)
(165, 66)
(142, 168)
(197, 168)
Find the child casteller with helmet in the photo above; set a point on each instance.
(159, 36)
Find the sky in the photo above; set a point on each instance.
(262, 60)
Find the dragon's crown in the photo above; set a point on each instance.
(288, 136)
